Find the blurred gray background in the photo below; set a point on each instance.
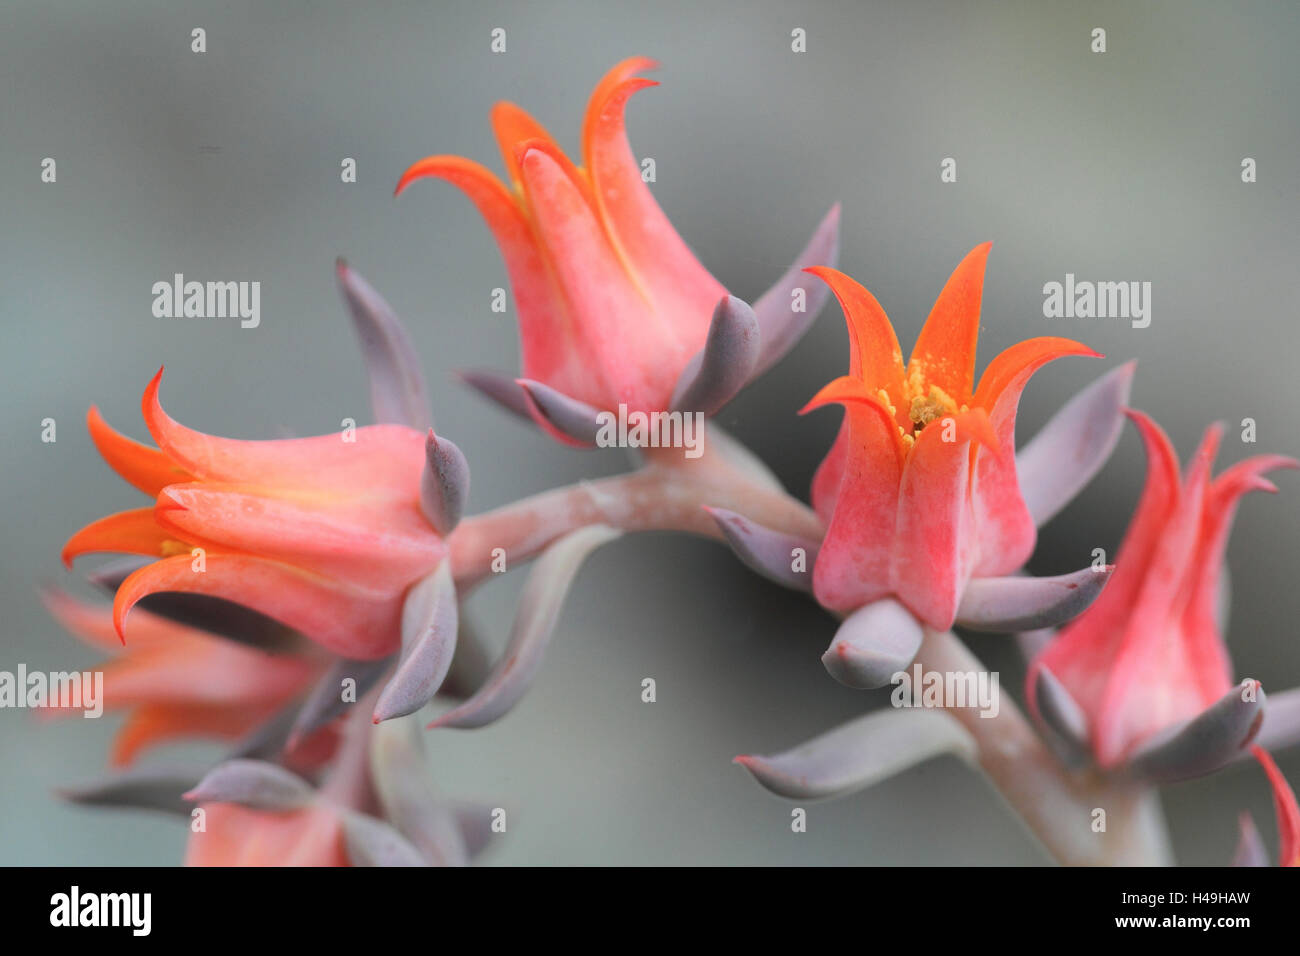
(225, 165)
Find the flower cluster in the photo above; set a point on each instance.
(299, 599)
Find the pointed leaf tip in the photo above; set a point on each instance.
(252, 783)
(860, 753)
(718, 371)
(875, 642)
(444, 487)
(1022, 603)
(1206, 742)
(786, 559)
(397, 391)
(565, 419)
(429, 620)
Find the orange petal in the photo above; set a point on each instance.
(1006, 530)
(239, 836)
(1205, 647)
(384, 461)
(874, 355)
(1012, 368)
(933, 546)
(1083, 654)
(151, 725)
(513, 127)
(682, 290)
(127, 532)
(826, 479)
(1284, 805)
(542, 329)
(853, 565)
(381, 548)
(632, 357)
(146, 468)
(347, 622)
(1154, 683)
(945, 350)
(210, 671)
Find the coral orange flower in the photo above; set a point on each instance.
(235, 835)
(323, 534)
(1143, 678)
(920, 492)
(614, 308)
(178, 681)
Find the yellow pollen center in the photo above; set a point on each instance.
(928, 407)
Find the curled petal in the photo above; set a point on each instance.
(539, 608)
(429, 618)
(127, 532)
(874, 355)
(1006, 529)
(860, 753)
(874, 643)
(148, 469)
(780, 325)
(1205, 743)
(565, 419)
(772, 554)
(252, 783)
(444, 488)
(682, 290)
(1071, 448)
(717, 372)
(945, 349)
(381, 461)
(397, 392)
(544, 343)
(371, 842)
(1026, 604)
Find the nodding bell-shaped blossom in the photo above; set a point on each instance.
(1142, 680)
(323, 534)
(926, 519)
(177, 681)
(613, 306)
